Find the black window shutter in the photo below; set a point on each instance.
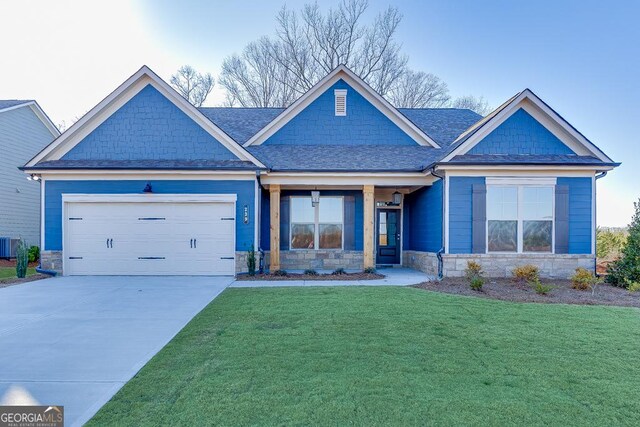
(349, 223)
(479, 219)
(562, 219)
(284, 223)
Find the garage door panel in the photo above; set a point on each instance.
(150, 238)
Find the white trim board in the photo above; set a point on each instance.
(39, 112)
(148, 198)
(148, 175)
(342, 72)
(540, 111)
(116, 99)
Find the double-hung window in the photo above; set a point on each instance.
(317, 227)
(520, 218)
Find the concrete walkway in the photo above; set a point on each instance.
(394, 277)
(75, 341)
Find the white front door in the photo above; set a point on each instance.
(146, 238)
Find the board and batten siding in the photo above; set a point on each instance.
(22, 136)
(422, 219)
(244, 190)
(461, 213)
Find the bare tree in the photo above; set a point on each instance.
(192, 85)
(308, 44)
(417, 89)
(479, 105)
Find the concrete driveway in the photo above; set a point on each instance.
(74, 341)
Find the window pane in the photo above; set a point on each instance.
(302, 236)
(537, 236)
(537, 202)
(330, 236)
(502, 202)
(503, 236)
(301, 210)
(330, 209)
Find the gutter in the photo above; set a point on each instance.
(441, 251)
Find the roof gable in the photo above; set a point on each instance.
(357, 85)
(546, 127)
(155, 94)
(12, 104)
(317, 123)
(149, 127)
(520, 134)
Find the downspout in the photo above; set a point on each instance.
(259, 221)
(595, 243)
(441, 251)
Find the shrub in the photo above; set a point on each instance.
(339, 271)
(34, 254)
(634, 287)
(627, 268)
(477, 283)
(370, 270)
(540, 288)
(473, 270)
(22, 259)
(310, 272)
(251, 261)
(281, 273)
(584, 279)
(527, 272)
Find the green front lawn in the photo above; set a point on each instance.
(388, 356)
(10, 272)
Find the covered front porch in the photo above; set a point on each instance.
(352, 226)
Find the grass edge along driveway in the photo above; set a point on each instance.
(381, 356)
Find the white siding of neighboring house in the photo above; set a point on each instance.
(22, 136)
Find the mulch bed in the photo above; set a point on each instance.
(301, 276)
(562, 292)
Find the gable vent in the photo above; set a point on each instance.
(341, 102)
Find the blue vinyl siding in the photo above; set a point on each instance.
(265, 233)
(580, 214)
(149, 127)
(55, 189)
(460, 213)
(318, 124)
(423, 219)
(520, 134)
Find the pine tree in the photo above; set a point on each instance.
(627, 269)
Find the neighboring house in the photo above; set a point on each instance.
(24, 130)
(146, 183)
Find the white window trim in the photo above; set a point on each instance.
(316, 225)
(519, 184)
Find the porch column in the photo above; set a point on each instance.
(369, 252)
(274, 229)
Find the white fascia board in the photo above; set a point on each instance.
(548, 118)
(342, 72)
(521, 172)
(39, 112)
(148, 175)
(347, 179)
(116, 99)
(148, 198)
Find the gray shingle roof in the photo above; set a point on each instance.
(6, 103)
(147, 164)
(377, 158)
(528, 159)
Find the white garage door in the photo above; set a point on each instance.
(143, 238)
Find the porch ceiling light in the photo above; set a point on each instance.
(315, 198)
(396, 197)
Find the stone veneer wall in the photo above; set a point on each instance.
(51, 260)
(328, 259)
(426, 262)
(554, 266)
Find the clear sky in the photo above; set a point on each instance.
(581, 57)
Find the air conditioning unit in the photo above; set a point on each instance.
(8, 247)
